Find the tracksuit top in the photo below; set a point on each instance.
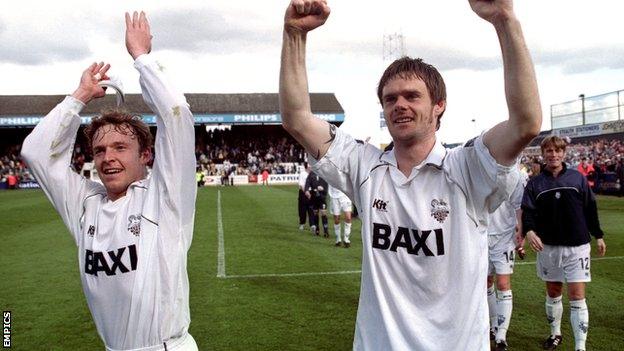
(562, 210)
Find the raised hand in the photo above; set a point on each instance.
(306, 15)
(493, 10)
(138, 37)
(88, 88)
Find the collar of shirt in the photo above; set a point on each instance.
(549, 173)
(435, 158)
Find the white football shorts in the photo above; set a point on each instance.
(340, 204)
(501, 253)
(564, 263)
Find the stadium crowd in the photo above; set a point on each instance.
(601, 161)
(244, 151)
(219, 152)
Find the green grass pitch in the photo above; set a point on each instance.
(283, 289)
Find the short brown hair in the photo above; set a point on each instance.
(555, 141)
(407, 67)
(124, 123)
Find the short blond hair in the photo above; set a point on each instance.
(554, 141)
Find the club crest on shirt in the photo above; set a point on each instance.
(557, 195)
(134, 224)
(439, 210)
(91, 231)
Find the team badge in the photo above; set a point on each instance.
(134, 224)
(439, 210)
(557, 195)
(91, 231)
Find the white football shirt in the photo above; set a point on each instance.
(503, 220)
(424, 242)
(132, 252)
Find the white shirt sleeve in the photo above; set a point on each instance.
(485, 182)
(346, 164)
(516, 197)
(48, 151)
(173, 172)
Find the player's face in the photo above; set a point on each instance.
(553, 157)
(118, 159)
(408, 110)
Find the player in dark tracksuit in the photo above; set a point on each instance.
(558, 214)
(316, 191)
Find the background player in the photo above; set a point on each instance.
(303, 206)
(133, 233)
(504, 226)
(339, 202)
(316, 192)
(423, 208)
(558, 213)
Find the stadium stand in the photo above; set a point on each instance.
(236, 134)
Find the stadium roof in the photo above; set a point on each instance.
(40, 105)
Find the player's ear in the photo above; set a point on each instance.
(145, 156)
(439, 108)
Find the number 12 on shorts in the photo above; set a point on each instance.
(584, 263)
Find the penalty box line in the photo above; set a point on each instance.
(221, 255)
(221, 252)
(221, 258)
(304, 274)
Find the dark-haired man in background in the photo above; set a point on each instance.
(423, 208)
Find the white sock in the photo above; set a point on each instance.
(337, 232)
(347, 232)
(504, 305)
(491, 298)
(554, 310)
(579, 317)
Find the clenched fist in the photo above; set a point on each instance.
(493, 10)
(306, 15)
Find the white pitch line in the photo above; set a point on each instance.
(221, 254)
(285, 275)
(268, 275)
